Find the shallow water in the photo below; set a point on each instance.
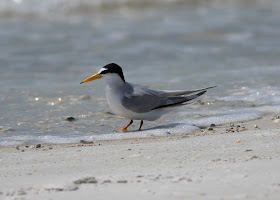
(47, 49)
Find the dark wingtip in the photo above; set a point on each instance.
(201, 93)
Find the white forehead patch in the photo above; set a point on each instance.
(101, 70)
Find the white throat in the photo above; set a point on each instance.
(113, 80)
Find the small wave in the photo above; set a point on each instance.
(63, 9)
(81, 9)
(261, 96)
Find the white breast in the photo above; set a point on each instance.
(114, 97)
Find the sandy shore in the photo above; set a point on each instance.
(232, 161)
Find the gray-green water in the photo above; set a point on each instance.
(47, 49)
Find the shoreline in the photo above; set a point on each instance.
(232, 161)
(269, 121)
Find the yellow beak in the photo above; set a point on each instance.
(92, 78)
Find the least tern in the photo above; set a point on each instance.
(136, 102)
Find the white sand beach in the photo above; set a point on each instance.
(232, 161)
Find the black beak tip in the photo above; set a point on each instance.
(81, 82)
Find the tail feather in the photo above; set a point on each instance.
(170, 93)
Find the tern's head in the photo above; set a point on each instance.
(110, 72)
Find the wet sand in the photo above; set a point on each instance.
(232, 161)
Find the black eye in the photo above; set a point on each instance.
(104, 72)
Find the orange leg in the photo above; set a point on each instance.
(125, 128)
(141, 123)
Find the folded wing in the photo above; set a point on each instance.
(142, 99)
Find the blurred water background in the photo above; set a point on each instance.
(48, 47)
